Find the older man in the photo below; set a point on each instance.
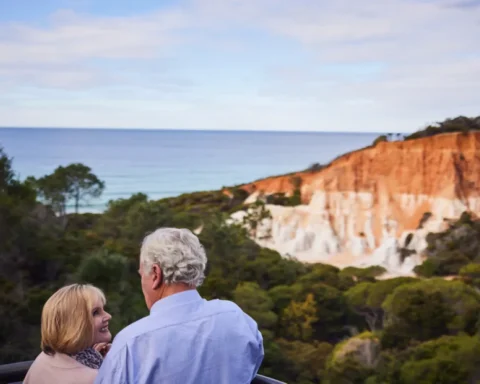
(185, 339)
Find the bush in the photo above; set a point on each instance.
(448, 251)
(380, 139)
(315, 167)
(458, 124)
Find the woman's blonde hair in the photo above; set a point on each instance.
(67, 319)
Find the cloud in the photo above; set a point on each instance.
(72, 37)
(427, 54)
(63, 54)
(373, 60)
(463, 3)
(71, 77)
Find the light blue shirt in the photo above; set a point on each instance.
(186, 340)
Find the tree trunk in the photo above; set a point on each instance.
(77, 200)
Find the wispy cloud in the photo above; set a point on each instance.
(71, 37)
(248, 64)
(63, 54)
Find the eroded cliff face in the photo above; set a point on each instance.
(367, 205)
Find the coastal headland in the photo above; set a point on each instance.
(368, 206)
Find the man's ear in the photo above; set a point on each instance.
(157, 276)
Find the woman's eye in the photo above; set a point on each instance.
(96, 312)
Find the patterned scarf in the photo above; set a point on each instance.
(89, 357)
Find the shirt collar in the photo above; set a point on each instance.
(175, 300)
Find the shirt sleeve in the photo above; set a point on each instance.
(261, 352)
(258, 352)
(115, 368)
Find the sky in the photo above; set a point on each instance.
(290, 65)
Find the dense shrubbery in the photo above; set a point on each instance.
(315, 167)
(320, 324)
(291, 200)
(380, 139)
(457, 124)
(451, 250)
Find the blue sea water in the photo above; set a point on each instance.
(164, 163)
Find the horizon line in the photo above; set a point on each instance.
(198, 130)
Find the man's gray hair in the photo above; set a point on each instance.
(179, 254)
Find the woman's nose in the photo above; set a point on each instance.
(107, 316)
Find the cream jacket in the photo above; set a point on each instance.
(59, 369)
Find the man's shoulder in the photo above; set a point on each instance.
(232, 313)
(128, 334)
(225, 308)
(224, 305)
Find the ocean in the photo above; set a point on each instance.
(164, 163)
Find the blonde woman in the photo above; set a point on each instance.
(75, 337)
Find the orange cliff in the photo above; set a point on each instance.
(362, 206)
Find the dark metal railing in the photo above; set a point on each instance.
(15, 373)
(260, 379)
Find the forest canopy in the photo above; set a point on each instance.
(320, 324)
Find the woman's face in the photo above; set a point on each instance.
(100, 320)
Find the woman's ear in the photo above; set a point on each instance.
(157, 276)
